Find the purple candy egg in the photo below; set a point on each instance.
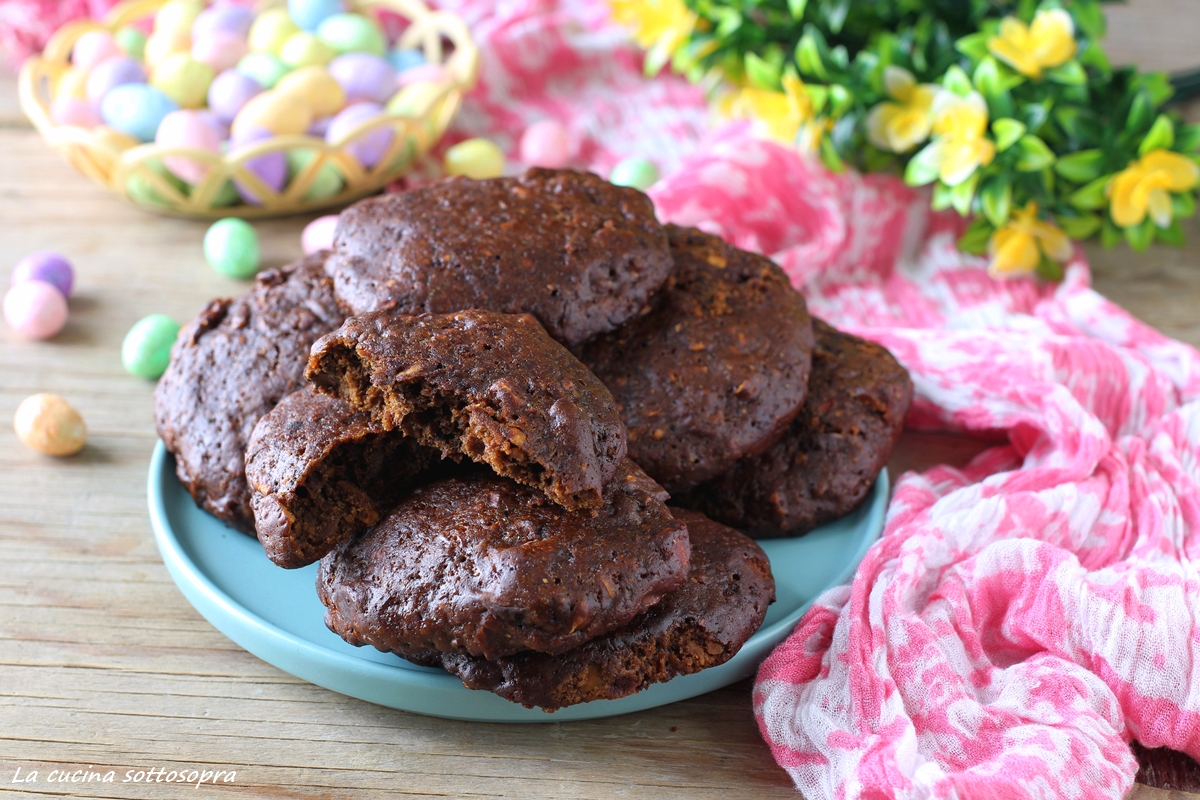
(319, 127)
(364, 77)
(368, 148)
(224, 17)
(45, 266)
(271, 168)
(229, 91)
(111, 72)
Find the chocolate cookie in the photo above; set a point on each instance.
(577, 252)
(232, 364)
(701, 624)
(492, 387)
(319, 472)
(478, 564)
(829, 458)
(716, 370)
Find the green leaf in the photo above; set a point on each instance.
(943, 197)
(1140, 112)
(1172, 234)
(1036, 113)
(987, 78)
(657, 57)
(1091, 197)
(1094, 56)
(1187, 138)
(796, 7)
(1067, 118)
(808, 57)
(957, 81)
(1140, 236)
(818, 95)
(974, 46)
(1157, 84)
(1035, 155)
(922, 168)
(835, 14)
(962, 194)
(840, 99)
(1007, 132)
(1161, 136)
(1183, 205)
(1089, 18)
(1070, 73)
(761, 74)
(996, 198)
(975, 239)
(728, 22)
(1049, 270)
(1080, 228)
(829, 156)
(1080, 167)
(1110, 234)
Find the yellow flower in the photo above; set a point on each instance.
(901, 126)
(1144, 187)
(959, 146)
(1048, 42)
(1017, 247)
(785, 117)
(657, 24)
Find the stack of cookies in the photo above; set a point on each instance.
(474, 410)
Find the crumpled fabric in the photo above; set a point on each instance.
(1020, 620)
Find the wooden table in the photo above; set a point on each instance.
(104, 664)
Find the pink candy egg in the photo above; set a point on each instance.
(35, 310)
(369, 147)
(318, 234)
(546, 144)
(93, 47)
(221, 50)
(111, 72)
(71, 111)
(430, 73)
(187, 129)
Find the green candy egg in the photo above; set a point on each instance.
(327, 182)
(142, 191)
(635, 172)
(265, 68)
(146, 350)
(475, 158)
(231, 248)
(353, 33)
(226, 196)
(132, 41)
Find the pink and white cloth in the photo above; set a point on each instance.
(1022, 619)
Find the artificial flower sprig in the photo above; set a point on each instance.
(1008, 109)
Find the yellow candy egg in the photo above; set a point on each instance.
(47, 423)
(415, 99)
(316, 87)
(303, 49)
(475, 158)
(276, 111)
(163, 44)
(183, 79)
(72, 83)
(271, 30)
(177, 15)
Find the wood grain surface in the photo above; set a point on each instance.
(104, 664)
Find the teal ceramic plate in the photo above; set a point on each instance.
(275, 614)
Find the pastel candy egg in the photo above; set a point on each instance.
(309, 14)
(111, 72)
(46, 266)
(303, 49)
(231, 248)
(227, 195)
(270, 30)
(183, 79)
(475, 158)
(353, 33)
(132, 41)
(210, 119)
(414, 100)
(546, 144)
(364, 77)
(144, 190)
(136, 109)
(73, 111)
(226, 17)
(319, 127)
(221, 50)
(49, 424)
(146, 350)
(72, 83)
(270, 168)
(187, 129)
(229, 92)
(163, 44)
(315, 87)
(403, 58)
(35, 309)
(326, 183)
(177, 15)
(276, 112)
(93, 47)
(318, 234)
(423, 73)
(265, 68)
(637, 173)
(370, 147)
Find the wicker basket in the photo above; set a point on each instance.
(135, 172)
